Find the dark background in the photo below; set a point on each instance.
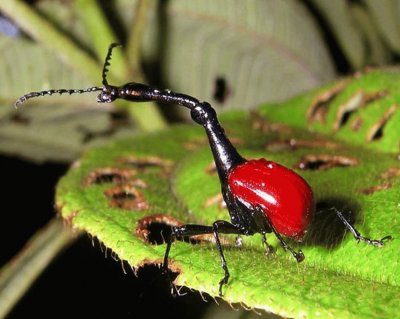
(81, 282)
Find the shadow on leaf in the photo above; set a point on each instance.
(327, 229)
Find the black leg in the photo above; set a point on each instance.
(227, 228)
(165, 264)
(219, 226)
(357, 235)
(238, 241)
(268, 248)
(299, 256)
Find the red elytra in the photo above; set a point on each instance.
(285, 196)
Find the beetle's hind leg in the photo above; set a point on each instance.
(357, 235)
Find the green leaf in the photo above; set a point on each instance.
(121, 193)
(367, 31)
(339, 16)
(245, 52)
(38, 130)
(362, 109)
(40, 133)
(385, 14)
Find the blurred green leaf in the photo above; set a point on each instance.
(338, 15)
(48, 33)
(366, 31)
(376, 51)
(385, 13)
(211, 49)
(57, 128)
(26, 65)
(240, 54)
(118, 192)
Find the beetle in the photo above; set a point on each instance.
(261, 196)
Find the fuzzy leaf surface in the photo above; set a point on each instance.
(115, 192)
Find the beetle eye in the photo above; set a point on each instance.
(106, 96)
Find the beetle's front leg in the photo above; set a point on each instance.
(220, 226)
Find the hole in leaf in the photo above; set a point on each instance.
(221, 90)
(325, 161)
(376, 131)
(356, 124)
(159, 233)
(156, 229)
(259, 123)
(319, 106)
(108, 175)
(356, 101)
(376, 188)
(391, 172)
(195, 143)
(143, 163)
(126, 196)
(293, 144)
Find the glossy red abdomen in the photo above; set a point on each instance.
(285, 196)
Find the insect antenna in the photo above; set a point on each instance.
(107, 62)
(31, 95)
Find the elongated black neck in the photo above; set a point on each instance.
(224, 153)
(137, 92)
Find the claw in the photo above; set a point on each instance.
(299, 256)
(374, 242)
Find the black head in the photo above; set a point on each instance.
(203, 114)
(108, 94)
